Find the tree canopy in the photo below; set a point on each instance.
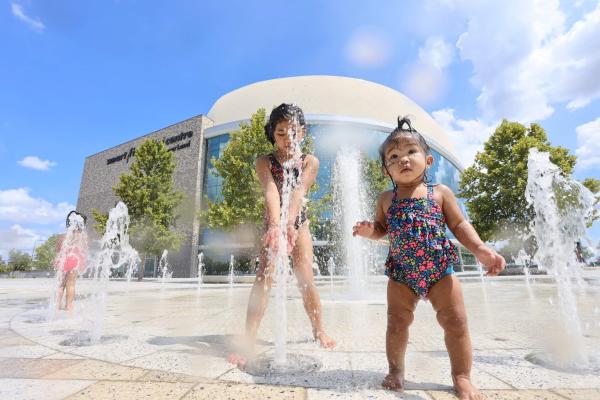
(19, 261)
(45, 253)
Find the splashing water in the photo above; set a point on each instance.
(524, 259)
(231, 270)
(200, 268)
(562, 207)
(115, 252)
(292, 173)
(163, 265)
(351, 201)
(282, 264)
(331, 270)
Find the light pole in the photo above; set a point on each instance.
(34, 246)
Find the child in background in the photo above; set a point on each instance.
(71, 258)
(421, 258)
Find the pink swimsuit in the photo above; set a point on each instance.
(73, 258)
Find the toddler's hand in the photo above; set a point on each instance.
(271, 238)
(363, 228)
(493, 261)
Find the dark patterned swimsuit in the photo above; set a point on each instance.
(277, 170)
(420, 253)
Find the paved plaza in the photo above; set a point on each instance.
(171, 341)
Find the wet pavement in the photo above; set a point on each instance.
(171, 341)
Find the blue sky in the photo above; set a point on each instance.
(79, 77)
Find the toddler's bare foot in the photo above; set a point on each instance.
(394, 380)
(325, 340)
(465, 390)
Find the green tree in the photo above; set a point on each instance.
(149, 194)
(494, 186)
(594, 186)
(3, 266)
(101, 220)
(45, 253)
(376, 181)
(19, 260)
(242, 202)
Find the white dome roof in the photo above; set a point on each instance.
(329, 96)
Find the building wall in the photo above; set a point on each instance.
(102, 171)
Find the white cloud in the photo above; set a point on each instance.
(36, 163)
(16, 205)
(425, 81)
(527, 62)
(436, 52)
(588, 140)
(468, 136)
(18, 238)
(34, 24)
(368, 48)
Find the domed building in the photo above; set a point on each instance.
(339, 111)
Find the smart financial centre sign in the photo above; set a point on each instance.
(168, 141)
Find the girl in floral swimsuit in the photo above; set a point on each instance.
(421, 258)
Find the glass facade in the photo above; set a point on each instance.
(328, 139)
(212, 182)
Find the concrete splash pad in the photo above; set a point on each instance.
(182, 331)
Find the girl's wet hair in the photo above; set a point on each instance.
(403, 131)
(283, 112)
(68, 223)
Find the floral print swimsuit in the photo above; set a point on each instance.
(420, 253)
(278, 177)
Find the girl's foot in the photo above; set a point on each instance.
(394, 380)
(242, 352)
(325, 340)
(465, 389)
(237, 359)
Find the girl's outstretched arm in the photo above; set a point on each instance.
(466, 234)
(272, 209)
(377, 229)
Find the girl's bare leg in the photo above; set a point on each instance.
(70, 289)
(259, 296)
(59, 297)
(402, 302)
(61, 289)
(302, 256)
(257, 304)
(447, 300)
